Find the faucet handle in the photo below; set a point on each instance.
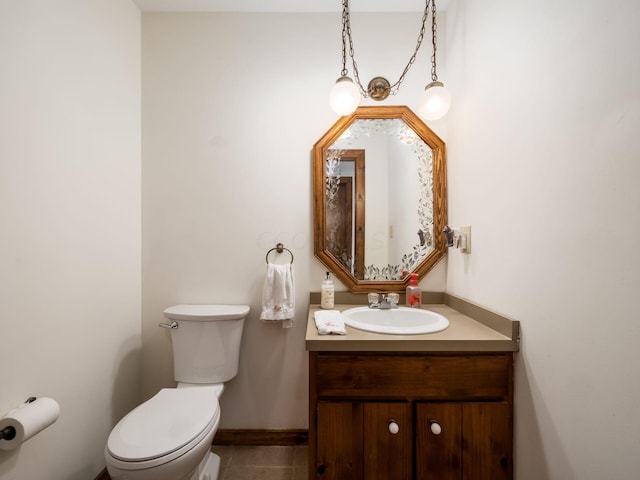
(393, 298)
(373, 298)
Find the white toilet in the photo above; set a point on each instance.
(169, 436)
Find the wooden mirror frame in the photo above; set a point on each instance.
(438, 148)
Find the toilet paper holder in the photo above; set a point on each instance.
(9, 433)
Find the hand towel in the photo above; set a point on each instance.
(329, 321)
(278, 296)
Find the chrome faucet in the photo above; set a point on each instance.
(389, 300)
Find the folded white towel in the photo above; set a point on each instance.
(278, 296)
(329, 321)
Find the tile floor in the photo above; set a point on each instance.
(262, 463)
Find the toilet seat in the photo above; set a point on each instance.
(164, 427)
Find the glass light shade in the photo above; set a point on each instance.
(434, 102)
(344, 97)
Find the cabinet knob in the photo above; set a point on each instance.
(393, 427)
(436, 429)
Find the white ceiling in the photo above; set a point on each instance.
(284, 5)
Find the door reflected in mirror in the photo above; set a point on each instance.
(345, 209)
(373, 229)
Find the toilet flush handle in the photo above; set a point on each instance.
(173, 325)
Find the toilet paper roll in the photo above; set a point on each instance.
(29, 419)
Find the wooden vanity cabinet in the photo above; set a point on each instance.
(371, 416)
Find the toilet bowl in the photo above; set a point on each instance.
(169, 436)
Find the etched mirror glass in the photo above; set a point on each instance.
(379, 198)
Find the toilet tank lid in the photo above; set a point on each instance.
(206, 313)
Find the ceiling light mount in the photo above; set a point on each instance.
(379, 88)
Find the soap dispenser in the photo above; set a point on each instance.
(327, 292)
(414, 294)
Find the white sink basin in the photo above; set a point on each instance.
(395, 321)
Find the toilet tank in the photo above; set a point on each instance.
(206, 342)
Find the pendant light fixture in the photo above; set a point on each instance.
(346, 93)
(345, 96)
(436, 100)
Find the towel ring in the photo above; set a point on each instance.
(278, 248)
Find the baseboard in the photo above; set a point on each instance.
(103, 475)
(261, 437)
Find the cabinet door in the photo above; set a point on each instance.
(487, 440)
(388, 437)
(339, 441)
(473, 443)
(438, 455)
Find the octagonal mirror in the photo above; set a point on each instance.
(379, 198)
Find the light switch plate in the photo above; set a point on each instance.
(466, 230)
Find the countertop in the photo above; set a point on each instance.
(487, 332)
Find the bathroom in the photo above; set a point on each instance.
(152, 159)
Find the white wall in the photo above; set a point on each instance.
(70, 214)
(232, 106)
(541, 166)
(544, 164)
